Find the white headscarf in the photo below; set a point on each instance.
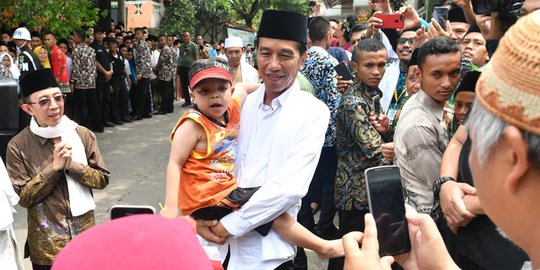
(13, 68)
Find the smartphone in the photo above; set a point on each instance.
(391, 21)
(118, 211)
(343, 71)
(387, 205)
(377, 104)
(440, 14)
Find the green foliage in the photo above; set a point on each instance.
(300, 6)
(212, 17)
(59, 16)
(249, 9)
(179, 17)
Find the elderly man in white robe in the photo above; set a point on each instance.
(241, 71)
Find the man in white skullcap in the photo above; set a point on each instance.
(241, 71)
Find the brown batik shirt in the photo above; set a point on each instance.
(44, 192)
(143, 60)
(166, 65)
(84, 73)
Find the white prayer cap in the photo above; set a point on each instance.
(233, 42)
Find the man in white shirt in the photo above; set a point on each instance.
(241, 71)
(280, 142)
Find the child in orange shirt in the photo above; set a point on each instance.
(201, 171)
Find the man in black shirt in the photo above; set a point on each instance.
(104, 74)
(119, 96)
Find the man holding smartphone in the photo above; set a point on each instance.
(359, 139)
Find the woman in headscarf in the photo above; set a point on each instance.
(43, 56)
(9, 68)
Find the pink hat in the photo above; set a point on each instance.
(135, 242)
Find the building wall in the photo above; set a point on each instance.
(141, 13)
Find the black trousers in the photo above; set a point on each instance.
(349, 221)
(322, 190)
(119, 99)
(184, 80)
(167, 96)
(87, 108)
(142, 105)
(103, 100)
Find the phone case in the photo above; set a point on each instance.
(343, 71)
(391, 21)
(118, 211)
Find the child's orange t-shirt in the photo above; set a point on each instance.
(208, 176)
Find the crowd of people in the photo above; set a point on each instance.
(281, 132)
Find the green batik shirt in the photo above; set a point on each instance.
(358, 146)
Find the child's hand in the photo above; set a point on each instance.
(332, 249)
(169, 212)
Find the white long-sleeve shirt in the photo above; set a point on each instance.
(279, 148)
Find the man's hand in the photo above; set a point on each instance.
(61, 156)
(374, 24)
(368, 256)
(139, 76)
(427, 246)
(420, 38)
(462, 3)
(435, 30)
(204, 229)
(388, 151)
(342, 85)
(452, 204)
(383, 7)
(473, 204)
(220, 231)
(380, 122)
(411, 19)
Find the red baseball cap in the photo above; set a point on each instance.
(213, 68)
(135, 242)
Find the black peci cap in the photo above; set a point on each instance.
(37, 80)
(285, 25)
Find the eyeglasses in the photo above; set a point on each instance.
(45, 102)
(404, 40)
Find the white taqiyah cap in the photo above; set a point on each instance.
(233, 42)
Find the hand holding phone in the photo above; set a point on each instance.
(440, 14)
(391, 21)
(387, 205)
(377, 105)
(343, 71)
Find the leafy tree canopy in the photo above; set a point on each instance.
(59, 16)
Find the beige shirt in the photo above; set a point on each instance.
(43, 191)
(420, 139)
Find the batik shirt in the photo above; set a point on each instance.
(166, 65)
(44, 192)
(358, 146)
(319, 70)
(143, 60)
(84, 67)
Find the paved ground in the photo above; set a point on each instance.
(136, 154)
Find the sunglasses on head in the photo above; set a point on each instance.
(403, 40)
(45, 102)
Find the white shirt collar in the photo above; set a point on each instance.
(278, 101)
